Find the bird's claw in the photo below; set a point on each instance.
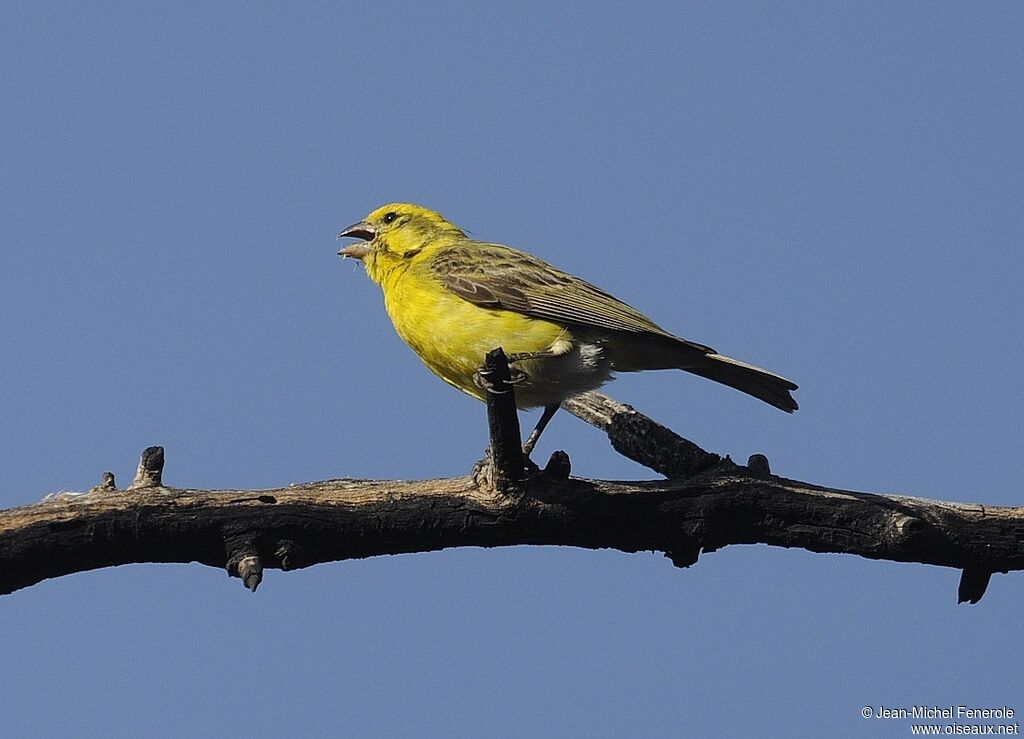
(482, 381)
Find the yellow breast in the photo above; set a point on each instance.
(452, 335)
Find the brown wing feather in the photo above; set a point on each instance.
(498, 276)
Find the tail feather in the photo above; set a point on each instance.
(636, 352)
(747, 378)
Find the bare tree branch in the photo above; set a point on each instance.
(707, 504)
(505, 451)
(640, 438)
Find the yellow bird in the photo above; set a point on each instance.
(453, 299)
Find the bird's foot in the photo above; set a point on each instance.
(482, 381)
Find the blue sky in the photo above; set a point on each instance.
(830, 191)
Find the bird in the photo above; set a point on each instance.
(453, 299)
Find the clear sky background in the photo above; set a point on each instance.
(832, 191)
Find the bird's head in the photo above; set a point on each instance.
(393, 233)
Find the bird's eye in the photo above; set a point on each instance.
(390, 217)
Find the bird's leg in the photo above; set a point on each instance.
(545, 418)
(517, 377)
(557, 349)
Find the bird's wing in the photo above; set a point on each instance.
(496, 276)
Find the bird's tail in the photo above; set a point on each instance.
(747, 378)
(635, 352)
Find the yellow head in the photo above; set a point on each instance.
(394, 234)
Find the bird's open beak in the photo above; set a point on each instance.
(360, 249)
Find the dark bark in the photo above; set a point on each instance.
(505, 450)
(705, 508)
